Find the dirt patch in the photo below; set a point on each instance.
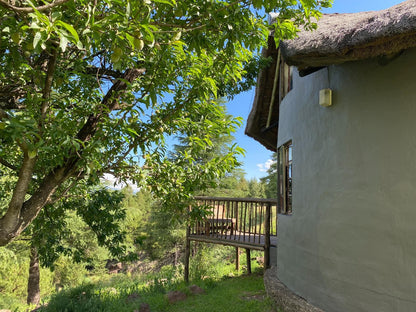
(258, 296)
(175, 296)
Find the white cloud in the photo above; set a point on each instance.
(112, 182)
(265, 166)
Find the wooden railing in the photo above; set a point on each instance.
(250, 223)
(240, 219)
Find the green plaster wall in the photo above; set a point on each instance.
(350, 244)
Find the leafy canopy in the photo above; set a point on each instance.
(94, 87)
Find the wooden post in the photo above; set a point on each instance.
(187, 253)
(267, 238)
(237, 258)
(248, 260)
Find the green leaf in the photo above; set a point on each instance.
(148, 34)
(115, 57)
(138, 44)
(32, 154)
(70, 28)
(130, 39)
(36, 39)
(128, 10)
(63, 42)
(132, 131)
(177, 36)
(169, 2)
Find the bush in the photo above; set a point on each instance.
(14, 274)
(208, 262)
(68, 273)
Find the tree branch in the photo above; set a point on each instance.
(10, 96)
(109, 103)
(41, 8)
(8, 165)
(12, 216)
(97, 71)
(58, 198)
(48, 83)
(3, 114)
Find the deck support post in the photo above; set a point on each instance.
(248, 260)
(237, 259)
(187, 254)
(267, 238)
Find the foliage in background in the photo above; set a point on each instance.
(14, 265)
(138, 207)
(80, 226)
(270, 180)
(81, 230)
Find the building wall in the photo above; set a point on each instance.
(350, 244)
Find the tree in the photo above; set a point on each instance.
(257, 189)
(88, 88)
(138, 207)
(77, 227)
(270, 180)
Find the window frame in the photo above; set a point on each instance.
(284, 178)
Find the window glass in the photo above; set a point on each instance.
(284, 172)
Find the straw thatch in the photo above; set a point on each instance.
(354, 36)
(339, 38)
(257, 120)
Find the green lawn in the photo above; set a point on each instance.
(243, 293)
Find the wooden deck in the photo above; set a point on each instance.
(249, 223)
(256, 242)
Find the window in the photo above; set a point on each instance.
(284, 174)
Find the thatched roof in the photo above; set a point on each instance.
(339, 38)
(354, 36)
(257, 120)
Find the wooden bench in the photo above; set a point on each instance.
(215, 226)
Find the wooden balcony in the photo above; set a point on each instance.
(249, 223)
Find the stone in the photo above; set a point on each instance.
(132, 297)
(284, 298)
(260, 260)
(196, 290)
(175, 296)
(144, 307)
(113, 266)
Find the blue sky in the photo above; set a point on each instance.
(257, 156)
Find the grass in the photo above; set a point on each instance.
(212, 269)
(244, 293)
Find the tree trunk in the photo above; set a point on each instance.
(187, 255)
(237, 259)
(248, 255)
(33, 288)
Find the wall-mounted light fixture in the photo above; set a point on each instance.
(325, 97)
